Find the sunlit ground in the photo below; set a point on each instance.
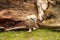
(40, 34)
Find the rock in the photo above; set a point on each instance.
(14, 12)
(52, 18)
